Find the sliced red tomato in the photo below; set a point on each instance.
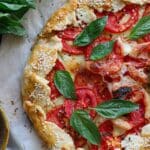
(58, 116)
(85, 78)
(86, 98)
(147, 10)
(144, 43)
(74, 50)
(137, 74)
(69, 106)
(136, 118)
(137, 62)
(79, 141)
(115, 78)
(94, 147)
(54, 92)
(59, 65)
(114, 23)
(146, 38)
(70, 33)
(68, 37)
(95, 82)
(110, 65)
(102, 92)
(99, 40)
(106, 129)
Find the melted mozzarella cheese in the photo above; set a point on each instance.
(85, 14)
(136, 142)
(127, 48)
(118, 131)
(122, 123)
(55, 43)
(59, 101)
(146, 130)
(132, 142)
(73, 63)
(117, 5)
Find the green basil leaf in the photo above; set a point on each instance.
(16, 7)
(64, 84)
(142, 28)
(81, 122)
(29, 3)
(10, 7)
(9, 24)
(115, 108)
(102, 50)
(91, 32)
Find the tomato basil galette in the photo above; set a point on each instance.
(86, 84)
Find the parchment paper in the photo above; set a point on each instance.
(14, 52)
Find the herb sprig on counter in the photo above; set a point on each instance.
(11, 12)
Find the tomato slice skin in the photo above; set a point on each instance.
(67, 36)
(106, 129)
(137, 62)
(86, 98)
(146, 38)
(147, 10)
(136, 118)
(95, 82)
(54, 92)
(113, 24)
(71, 49)
(70, 33)
(57, 116)
(85, 78)
(110, 65)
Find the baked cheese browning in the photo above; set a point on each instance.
(95, 81)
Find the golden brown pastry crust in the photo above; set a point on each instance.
(35, 91)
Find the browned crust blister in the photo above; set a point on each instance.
(35, 89)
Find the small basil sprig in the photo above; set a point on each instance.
(91, 32)
(11, 11)
(64, 84)
(81, 122)
(7, 7)
(115, 108)
(142, 28)
(102, 50)
(9, 24)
